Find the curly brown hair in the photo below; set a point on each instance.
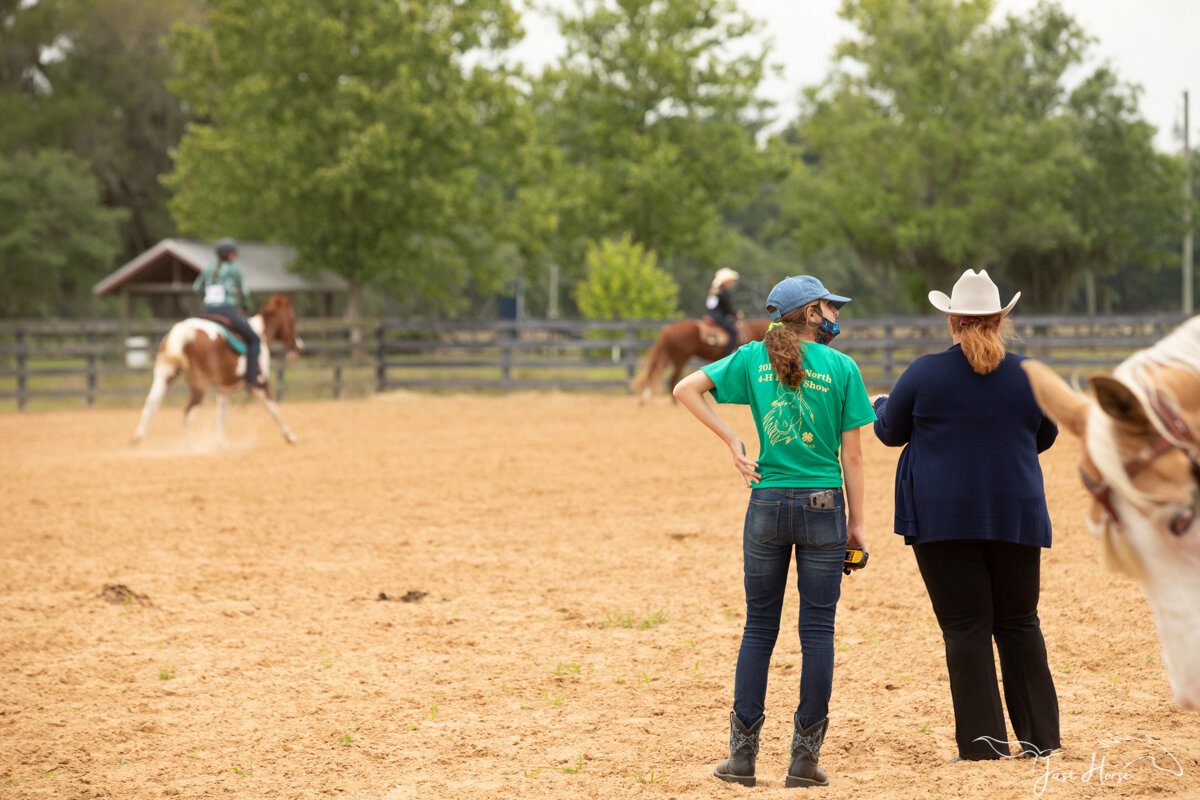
(783, 345)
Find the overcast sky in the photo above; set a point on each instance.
(1154, 43)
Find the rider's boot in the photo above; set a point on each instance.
(743, 750)
(806, 749)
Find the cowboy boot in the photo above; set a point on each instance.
(743, 749)
(806, 749)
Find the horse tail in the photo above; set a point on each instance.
(172, 350)
(655, 362)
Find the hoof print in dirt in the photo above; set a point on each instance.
(122, 594)
(409, 597)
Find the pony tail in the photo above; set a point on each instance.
(984, 339)
(783, 348)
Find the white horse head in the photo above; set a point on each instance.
(1141, 462)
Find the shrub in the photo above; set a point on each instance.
(625, 282)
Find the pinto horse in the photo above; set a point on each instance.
(1141, 464)
(679, 342)
(199, 349)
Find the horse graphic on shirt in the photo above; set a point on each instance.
(783, 422)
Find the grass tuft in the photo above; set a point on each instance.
(629, 620)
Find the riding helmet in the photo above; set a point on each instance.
(226, 247)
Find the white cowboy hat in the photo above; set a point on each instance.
(973, 294)
(724, 274)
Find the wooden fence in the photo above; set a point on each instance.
(100, 362)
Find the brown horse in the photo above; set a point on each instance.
(1141, 463)
(679, 342)
(198, 349)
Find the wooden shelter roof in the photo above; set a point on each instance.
(172, 265)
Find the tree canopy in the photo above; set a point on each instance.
(943, 142)
(652, 122)
(90, 78)
(398, 144)
(359, 132)
(54, 234)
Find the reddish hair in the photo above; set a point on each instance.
(984, 339)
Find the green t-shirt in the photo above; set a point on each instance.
(799, 432)
(229, 288)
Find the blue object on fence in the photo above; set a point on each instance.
(512, 301)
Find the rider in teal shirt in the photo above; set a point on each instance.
(222, 287)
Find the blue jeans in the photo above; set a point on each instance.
(241, 327)
(729, 324)
(777, 520)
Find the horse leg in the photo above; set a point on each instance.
(163, 374)
(273, 410)
(195, 396)
(675, 376)
(222, 414)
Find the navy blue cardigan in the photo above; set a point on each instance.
(970, 470)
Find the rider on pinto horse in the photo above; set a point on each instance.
(720, 305)
(222, 286)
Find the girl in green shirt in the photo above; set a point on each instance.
(808, 402)
(222, 286)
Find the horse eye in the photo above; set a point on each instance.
(1183, 521)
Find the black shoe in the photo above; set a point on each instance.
(806, 749)
(743, 749)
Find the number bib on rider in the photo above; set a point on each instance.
(214, 295)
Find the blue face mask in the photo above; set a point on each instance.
(827, 331)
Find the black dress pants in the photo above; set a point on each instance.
(982, 590)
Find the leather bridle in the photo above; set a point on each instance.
(1178, 437)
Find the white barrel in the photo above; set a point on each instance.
(137, 352)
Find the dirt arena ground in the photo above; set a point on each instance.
(563, 608)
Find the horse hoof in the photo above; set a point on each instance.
(291, 438)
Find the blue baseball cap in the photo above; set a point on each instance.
(797, 292)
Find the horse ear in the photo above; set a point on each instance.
(1059, 401)
(1120, 403)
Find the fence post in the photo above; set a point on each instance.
(380, 358)
(91, 368)
(889, 355)
(508, 335)
(337, 380)
(631, 354)
(280, 379)
(22, 385)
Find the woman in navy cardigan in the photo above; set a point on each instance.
(970, 501)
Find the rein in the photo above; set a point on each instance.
(1178, 437)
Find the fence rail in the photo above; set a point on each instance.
(51, 363)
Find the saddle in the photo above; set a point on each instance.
(714, 335)
(222, 321)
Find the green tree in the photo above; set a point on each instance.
(947, 143)
(653, 121)
(56, 238)
(357, 132)
(1128, 203)
(90, 78)
(624, 282)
